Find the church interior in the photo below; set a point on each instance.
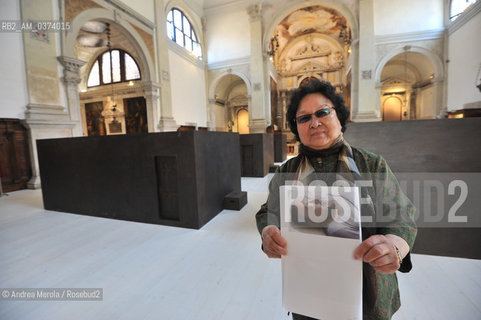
(114, 109)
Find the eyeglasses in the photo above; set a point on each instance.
(321, 113)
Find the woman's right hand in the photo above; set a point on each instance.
(273, 244)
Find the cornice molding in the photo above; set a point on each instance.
(229, 63)
(185, 54)
(464, 18)
(410, 36)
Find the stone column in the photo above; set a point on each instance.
(412, 104)
(151, 95)
(71, 80)
(258, 117)
(368, 107)
(47, 114)
(211, 122)
(166, 121)
(440, 107)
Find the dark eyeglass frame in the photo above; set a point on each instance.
(321, 113)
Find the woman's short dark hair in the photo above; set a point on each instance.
(324, 88)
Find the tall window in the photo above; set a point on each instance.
(458, 7)
(113, 66)
(179, 30)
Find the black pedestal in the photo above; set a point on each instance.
(257, 152)
(280, 147)
(173, 178)
(235, 200)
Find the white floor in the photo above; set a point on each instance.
(158, 272)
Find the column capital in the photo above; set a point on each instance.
(150, 85)
(257, 125)
(70, 64)
(70, 72)
(255, 12)
(151, 90)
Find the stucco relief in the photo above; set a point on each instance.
(308, 54)
(304, 20)
(315, 19)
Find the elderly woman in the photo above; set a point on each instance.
(317, 116)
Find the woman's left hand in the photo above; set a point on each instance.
(380, 252)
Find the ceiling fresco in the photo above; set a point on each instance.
(315, 19)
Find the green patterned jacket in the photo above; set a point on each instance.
(380, 291)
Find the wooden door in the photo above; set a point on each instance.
(15, 168)
(243, 121)
(392, 108)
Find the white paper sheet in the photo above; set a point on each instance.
(320, 277)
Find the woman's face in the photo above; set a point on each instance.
(317, 133)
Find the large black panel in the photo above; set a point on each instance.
(444, 145)
(280, 147)
(174, 178)
(450, 148)
(257, 152)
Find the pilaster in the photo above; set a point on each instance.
(367, 106)
(259, 113)
(166, 119)
(71, 79)
(211, 121)
(152, 98)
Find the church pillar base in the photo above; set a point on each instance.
(43, 129)
(167, 124)
(367, 116)
(257, 126)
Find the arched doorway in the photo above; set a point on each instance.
(410, 76)
(231, 100)
(392, 109)
(243, 121)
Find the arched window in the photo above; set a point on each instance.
(179, 30)
(458, 7)
(113, 66)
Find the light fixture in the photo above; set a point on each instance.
(109, 47)
(131, 83)
(406, 78)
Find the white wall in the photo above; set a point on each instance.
(227, 36)
(188, 91)
(13, 88)
(465, 60)
(402, 16)
(144, 7)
